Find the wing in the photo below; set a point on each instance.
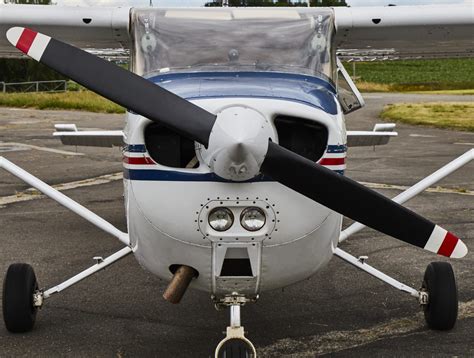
(427, 31)
(85, 27)
(397, 31)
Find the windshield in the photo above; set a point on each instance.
(291, 40)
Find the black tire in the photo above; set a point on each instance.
(441, 311)
(19, 285)
(235, 348)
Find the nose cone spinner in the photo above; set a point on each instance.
(238, 143)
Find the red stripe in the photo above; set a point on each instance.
(138, 160)
(26, 39)
(332, 161)
(448, 245)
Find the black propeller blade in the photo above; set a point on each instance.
(117, 84)
(337, 192)
(348, 197)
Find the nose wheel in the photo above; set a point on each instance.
(235, 344)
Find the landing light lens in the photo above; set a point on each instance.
(221, 219)
(252, 219)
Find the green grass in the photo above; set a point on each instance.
(452, 115)
(447, 76)
(77, 100)
(415, 75)
(467, 92)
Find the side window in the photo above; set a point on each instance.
(347, 92)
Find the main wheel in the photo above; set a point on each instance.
(441, 311)
(19, 286)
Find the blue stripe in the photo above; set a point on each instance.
(337, 148)
(168, 175)
(135, 148)
(140, 148)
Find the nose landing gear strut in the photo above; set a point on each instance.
(235, 344)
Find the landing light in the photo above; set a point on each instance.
(221, 219)
(252, 218)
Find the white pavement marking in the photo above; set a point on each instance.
(422, 135)
(372, 96)
(11, 148)
(438, 189)
(32, 194)
(462, 143)
(336, 341)
(44, 149)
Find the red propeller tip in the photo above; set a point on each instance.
(28, 41)
(444, 243)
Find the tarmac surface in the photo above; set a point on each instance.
(120, 312)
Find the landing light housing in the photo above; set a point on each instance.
(221, 219)
(252, 218)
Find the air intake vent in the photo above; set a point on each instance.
(236, 267)
(236, 263)
(302, 136)
(169, 148)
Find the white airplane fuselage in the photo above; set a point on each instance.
(167, 210)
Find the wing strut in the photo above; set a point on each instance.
(62, 199)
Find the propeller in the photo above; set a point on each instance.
(310, 179)
(358, 202)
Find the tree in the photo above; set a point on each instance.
(22, 70)
(264, 3)
(28, 2)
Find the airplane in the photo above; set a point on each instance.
(235, 144)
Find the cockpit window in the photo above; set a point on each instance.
(295, 40)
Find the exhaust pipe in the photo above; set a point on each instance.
(179, 284)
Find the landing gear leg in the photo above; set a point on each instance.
(235, 345)
(438, 295)
(22, 298)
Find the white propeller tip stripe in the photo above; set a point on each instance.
(436, 239)
(38, 46)
(459, 251)
(13, 34)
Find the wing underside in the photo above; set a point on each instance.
(103, 30)
(398, 32)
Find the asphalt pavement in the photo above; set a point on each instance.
(120, 312)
